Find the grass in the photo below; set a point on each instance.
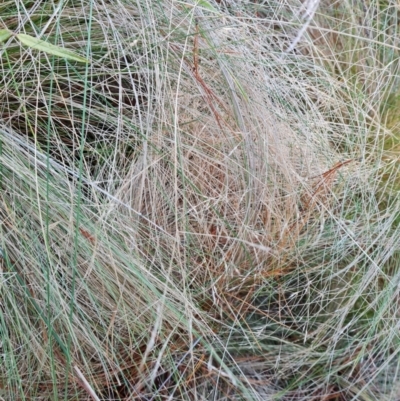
(198, 213)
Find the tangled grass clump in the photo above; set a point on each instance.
(208, 210)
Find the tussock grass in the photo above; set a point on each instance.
(199, 213)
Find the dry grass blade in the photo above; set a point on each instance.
(161, 236)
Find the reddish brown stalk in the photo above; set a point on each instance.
(209, 94)
(327, 177)
(87, 235)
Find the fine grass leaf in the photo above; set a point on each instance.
(41, 45)
(4, 35)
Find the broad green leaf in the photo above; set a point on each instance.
(43, 46)
(4, 34)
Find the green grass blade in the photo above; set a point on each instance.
(206, 5)
(4, 35)
(41, 45)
